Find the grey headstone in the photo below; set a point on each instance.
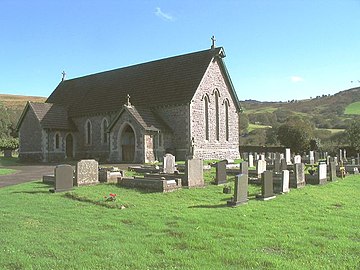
(283, 164)
(169, 163)
(194, 176)
(332, 167)
(267, 186)
(277, 165)
(298, 181)
(220, 172)
(241, 190)
(244, 168)
(87, 172)
(63, 178)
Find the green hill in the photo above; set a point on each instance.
(353, 108)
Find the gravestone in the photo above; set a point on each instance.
(283, 165)
(285, 181)
(356, 170)
(287, 156)
(194, 173)
(316, 157)
(358, 159)
(336, 161)
(297, 159)
(277, 165)
(344, 155)
(353, 161)
(332, 167)
(169, 164)
(260, 167)
(298, 181)
(251, 160)
(322, 173)
(244, 168)
(262, 157)
(340, 155)
(220, 172)
(63, 178)
(240, 191)
(267, 186)
(87, 172)
(311, 158)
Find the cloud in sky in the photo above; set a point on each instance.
(163, 15)
(296, 79)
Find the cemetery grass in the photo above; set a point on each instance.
(316, 227)
(6, 171)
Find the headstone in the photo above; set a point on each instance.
(285, 181)
(262, 157)
(328, 160)
(344, 155)
(194, 173)
(311, 158)
(267, 186)
(340, 155)
(356, 170)
(287, 156)
(220, 172)
(87, 172)
(332, 167)
(283, 165)
(358, 158)
(298, 181)
(336, 161)
(251, 160)
(277, 156)
(244, 168)
(322, 173)
(169, 164)
(63, 178)
(316, 157)
(297, 159)
(353, 162)
(240, 191)
(277, 165)
(260, 166)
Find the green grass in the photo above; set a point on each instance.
(253, 126)
(353, 108)
(6, 171)
(4, 162)
(316, 227)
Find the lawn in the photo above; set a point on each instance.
(353, 108)
(316, 227)
(6, 171)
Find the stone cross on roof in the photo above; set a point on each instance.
(63, 76)
(213, 42)
(128, 100)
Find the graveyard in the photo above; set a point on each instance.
(107, 225)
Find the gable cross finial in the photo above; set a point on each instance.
(63, 76)
(128, 100)
(213, 42)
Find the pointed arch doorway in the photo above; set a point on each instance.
(69, 150)
(127, 143)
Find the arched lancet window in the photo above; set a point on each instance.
(227, 105)
(104, 134)
(217, 116)
(57, 141)
(206, 115)
(88, 132)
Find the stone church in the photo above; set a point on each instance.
(185, 105)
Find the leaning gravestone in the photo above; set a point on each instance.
(220, 172)
(63, 178)
(267, 186)
(169, 163)
(298, 181)
(193, 173)
(87, 172)
(241, 190)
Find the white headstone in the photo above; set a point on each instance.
(285, 182)
(322, 171)
(87, 172)
(169, 163)
(311, 158)
(297, 159)
(287, 156)
(251, 160)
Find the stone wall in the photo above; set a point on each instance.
(177, 118)
(30, 137)
(214, 149)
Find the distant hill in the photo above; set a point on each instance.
(15, 105)
(326, 111)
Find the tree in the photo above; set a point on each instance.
(296, 134)
(5, 122)
(9, 143)
(353, 134)
(244, 123)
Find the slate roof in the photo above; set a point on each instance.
(146, 117)
(50, 116)
(162, 82)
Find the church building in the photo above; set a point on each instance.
(185, 105)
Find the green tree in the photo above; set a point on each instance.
(5, 122)
(244, 123)
(353, 134)
(9, 143)
(296, 134)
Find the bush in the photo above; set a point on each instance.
(9, 143)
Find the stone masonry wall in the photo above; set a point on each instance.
(30, 137)
(177, 118)
(212, 148)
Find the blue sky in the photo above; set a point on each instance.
(276, 50)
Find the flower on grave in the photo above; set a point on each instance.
(111, 197)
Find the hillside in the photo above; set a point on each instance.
(327, 111)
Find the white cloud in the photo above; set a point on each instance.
(296, 79)
(162, 15)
